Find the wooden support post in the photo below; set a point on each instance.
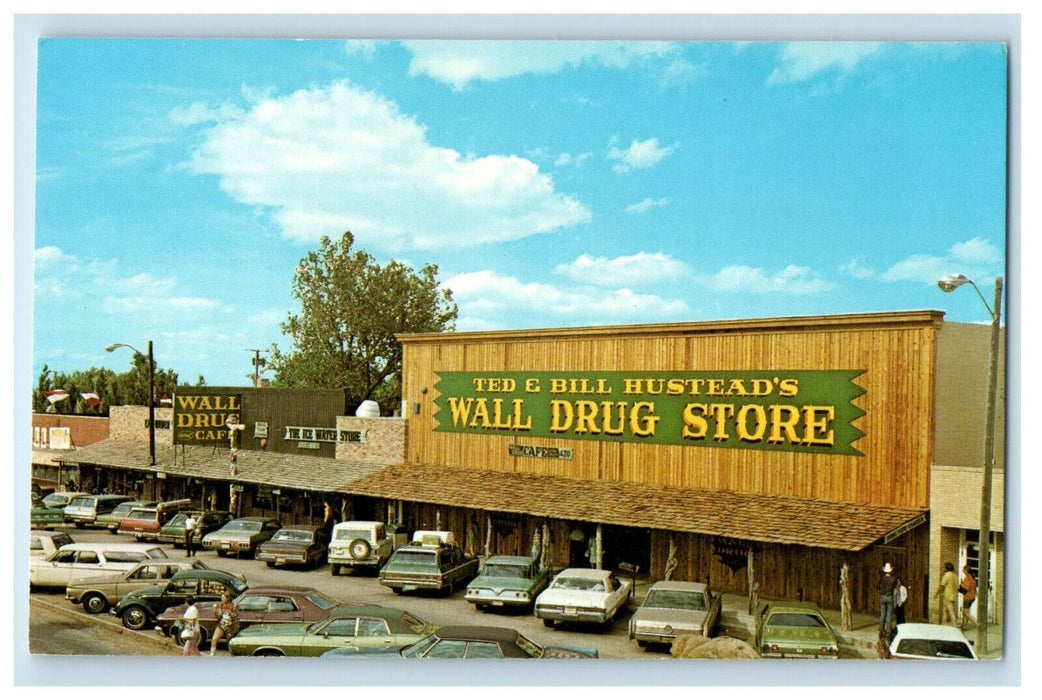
(600, 546)
(846, 612)
(750, 573)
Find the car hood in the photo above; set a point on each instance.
(501, 583)
(567, 652)
(580, 598)
(672, 617)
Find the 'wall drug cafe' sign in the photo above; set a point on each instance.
(202, 418)
(799, 410)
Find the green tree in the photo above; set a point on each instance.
(351, 310)
(126, 389)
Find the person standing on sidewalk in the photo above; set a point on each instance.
(887, 584)
(190, 525)
(969, 594)
(900, 597)
(190, 628)
(948, 592)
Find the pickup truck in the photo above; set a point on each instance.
(429, 564)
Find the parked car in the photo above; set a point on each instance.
(78, 560)
(50, 510)
(467, 642)
(919, 640)
(296, 544)
(262, 604)
(111, 521)
(144, 523)
(432, 561)
(347, 626)
(796, 631)
(139, 609)
(84, 510)
(241, 535)
(206, 522)
(44, 543)
(98, 594)
(507, 581)
(360, 544)
(674, 608)
(583, 595)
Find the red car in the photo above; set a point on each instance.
(256, 605)
(144, 522)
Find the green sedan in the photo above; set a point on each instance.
(345, 627)
(795, 631)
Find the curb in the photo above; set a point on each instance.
(107, 620)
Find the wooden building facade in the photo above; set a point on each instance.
(805, 443)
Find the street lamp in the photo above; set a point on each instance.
(151, 397)
(950, 283)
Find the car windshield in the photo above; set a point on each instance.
(178, 520)
(348, 535)
(506, 570)
(578, 584)
(416, 649)
(321, 600)
(292, 536)
(55, 500)
(404, 556)
(678, 600)
(60, 539)
(82, 502)
(795, 619)
(934, 648)
(243, 526)
(122, 509)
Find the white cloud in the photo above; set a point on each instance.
(457, 63)
(639, 154)
(63, 278)
(971, 256)
(682, 72)
(361, 47)
(742, 278)
(640, 269)
(855, 268)
(803, 60)
(646, 204)
(341, 158)
(569, 159)
(487, 299)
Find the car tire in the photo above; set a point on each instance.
(79, 526)
(268, 652)
(95, 603)
(397, 590)
(271, 564)
(334, 569)
(642, 644)
(221, 553)
(134, 617)
(548, 623)
(359, 549)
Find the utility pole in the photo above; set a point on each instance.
(258, 362)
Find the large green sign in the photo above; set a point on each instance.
(799, 410)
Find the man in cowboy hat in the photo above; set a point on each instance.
(887, 585)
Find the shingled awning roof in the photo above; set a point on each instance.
(204, 462)
(750, 516)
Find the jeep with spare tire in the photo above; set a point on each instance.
(359, 544)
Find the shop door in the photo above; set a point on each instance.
(628, 545)
(970, 556)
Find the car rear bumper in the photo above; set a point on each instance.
(567, 614)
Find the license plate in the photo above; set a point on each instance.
(280, 560)
(225, 546)
(497, 602)
(570, 611)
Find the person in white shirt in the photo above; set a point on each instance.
(900, 596)
(190, 628)
(190, 525)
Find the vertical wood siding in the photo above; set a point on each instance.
(895, 351)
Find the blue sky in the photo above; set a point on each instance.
(179, 182)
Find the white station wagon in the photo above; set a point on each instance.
(583, 595)
(74, 561)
